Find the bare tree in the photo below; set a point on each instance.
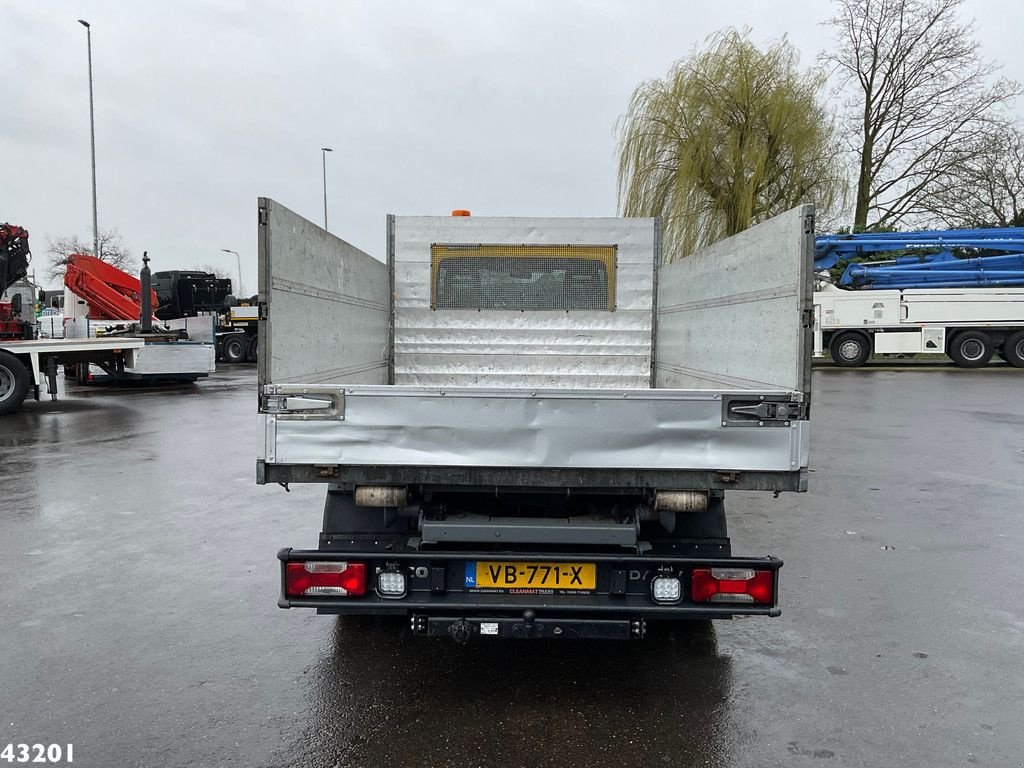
(112, 250)
(214, 270)
(923, 95)
(984, 187)
(732, 136)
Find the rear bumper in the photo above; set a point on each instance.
(439, 603)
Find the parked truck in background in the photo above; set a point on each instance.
(528, 427)
(101, 300)
(188, 293)
(237, 332)
(970, 325)
(955, 292)
(28, 363)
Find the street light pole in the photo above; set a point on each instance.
(323, 154)
(92, 141)
(239, 259)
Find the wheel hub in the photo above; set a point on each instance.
(849, 350)
(972, 349)
(6, 382)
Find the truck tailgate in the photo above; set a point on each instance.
(728, 407)
(366, 433)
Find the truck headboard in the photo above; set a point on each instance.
(522, 302)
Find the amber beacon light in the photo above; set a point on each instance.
(461, 212)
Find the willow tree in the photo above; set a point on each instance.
(732, 136)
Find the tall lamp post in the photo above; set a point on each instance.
(92, 139)
(323, 155)
(239, 259)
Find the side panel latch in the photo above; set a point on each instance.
(766, 411)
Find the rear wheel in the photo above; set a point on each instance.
(971, 349)
(14, 383)
(233, 348)
(1013, 349)
(850, 349)
(251, 351)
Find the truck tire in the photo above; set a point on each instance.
(850, 349)
(234, 347)
(1013, 349)
(971, 349)
(251, 352)
(14, 383)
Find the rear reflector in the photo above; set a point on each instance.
(317, 579)
(732, 585)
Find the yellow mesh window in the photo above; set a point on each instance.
(523, 277)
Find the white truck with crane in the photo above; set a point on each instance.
(28, 363)
(951, 292)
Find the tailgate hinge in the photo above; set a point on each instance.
(739, 411)
(308, 404)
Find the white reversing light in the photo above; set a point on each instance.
(391, 584)
(666, 589)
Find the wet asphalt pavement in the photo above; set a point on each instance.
(139, 620)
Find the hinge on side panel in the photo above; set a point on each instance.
(309, 404)
(262, 216)
(807, 319)
(739, 411)
(262, 310)
(766, 411)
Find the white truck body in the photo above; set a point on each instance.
(914, 321)
(354, 385)
(39, 363)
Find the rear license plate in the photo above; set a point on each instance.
(505, 575)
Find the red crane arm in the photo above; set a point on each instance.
(112, 294)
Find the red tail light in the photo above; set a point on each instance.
(732, 585)
(320, 579)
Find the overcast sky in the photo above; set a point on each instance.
(500, 107)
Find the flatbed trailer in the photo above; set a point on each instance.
(25, 366)
(182, 350)
(527, 427)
